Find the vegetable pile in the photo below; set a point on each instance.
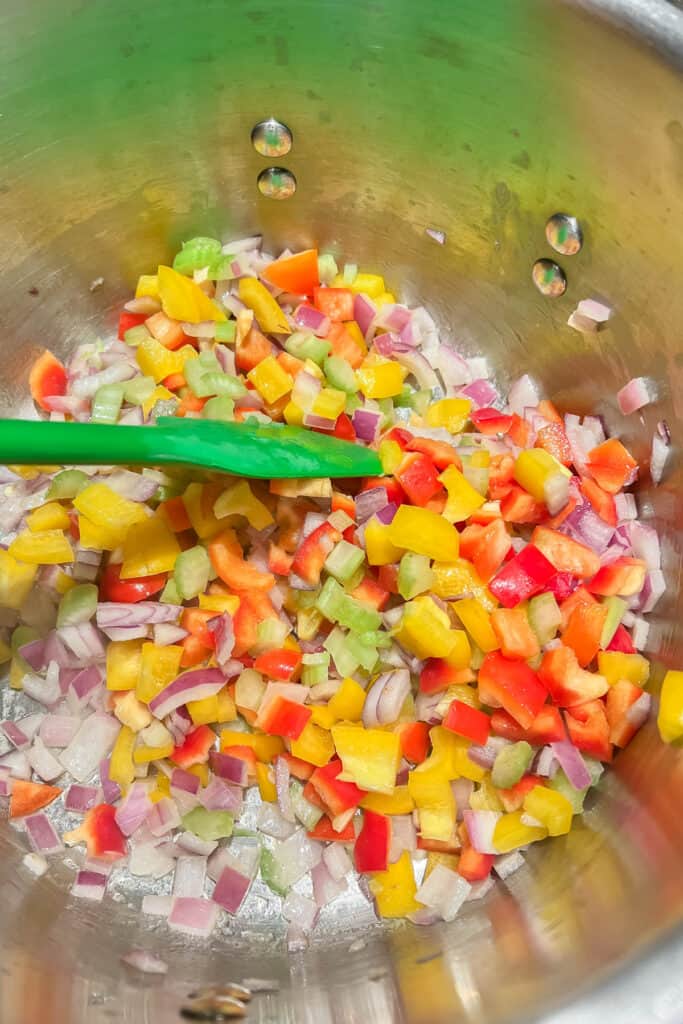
(414, 676)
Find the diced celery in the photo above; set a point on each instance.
(366, 654)
(205, 378)
(545, 617)
(196, 254)
(376, 638)
(138, 390)
(344, 560)
(595, 769)
(404, 400)
(340, 375)
(315, 668)
(23, 635)
(345, 661)
(357, 617)
(350, 273)
(476, 476)
(208, 825)
(271, 634)
(307, 346)
(134, 336)
(67, 484)
(305, 598)
(170, 595)
(249, 689)
(220, 269)
(357, 578)
(386, 407)
(107, 403)
(77, 605)
(191, 572)
(420, 401)
(327, 267)
(615, 613)
(561, 784)
(308, 814)
(225, 332)
(511, 763)
(330, 600)
(223, 384)
(219, 408)
(353, 402)
(270, 872)
(415, 575)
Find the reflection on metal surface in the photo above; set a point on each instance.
(214, 1007)
(271, 138)
(564, 234)
(277, 183)
(549, 278)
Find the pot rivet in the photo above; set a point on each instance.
(564, 234)
(271, 138)
(549, 278)
(214, 1009)
(276, 183)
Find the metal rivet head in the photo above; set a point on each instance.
(271, 138)
(549, 278)
(214, 1009)
(276, 183)
(564, 234)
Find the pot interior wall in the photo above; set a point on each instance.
(126, 128)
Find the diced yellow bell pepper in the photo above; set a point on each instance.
(198, 502)
(17, 671)
(486, 797)
(461, 654)
(315, 745)
(551, 808)
(370, 757)
(143, 754)
(219, 602)
(131, 712)
(64, 583)
(270, 380)
(52, 516)
(158, 362)
(241, 500)
(347, 703)
(329, 402)
(160, 394)
(124, 660)
(256, 296)
(5, 652)
(266, 785)
(394, 889)
(104, 507)
(322, 716)
(159, 666)
(148, 284)
(391, 456)
(371, 284)
(150, 547)
(398, 802)
(313, 369)
(446, 860)
(451, 413)
(100, 538)
(182, 299)
(425, 532)
(354, 330)
(670, 715)
(425, 629)
(293, 415)
(435, 803)
(16, 580)
(308, 622)
(385, 299)
(462, 499)
(510, 833)
(227, 712)
(48, 548)
(379, 548)
(121, 767)
(265, 747)
(381, 379)
(219, 708)
(162, 788)
(534, 467)
(477, 622)
(449, 756)
(614, 665)
(201, 771)
(460, 577)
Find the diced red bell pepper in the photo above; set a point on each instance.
(473, 866)
(297, 274)
(369, 591)
(561, 585)
(438, 675)
(196, 621)
(602, 502)
(252, 350)
(284, 717)
(325, 832)
(414, 740)
(441, 453)
(313, 797)
(345, 345)
(566, 555)
(311, 554)
(512, 685)
(235, 571)
(611, 465)
(247, 755)
(338, 796)
(195, 747)
(113, 588)
(387, 578)
(528, 573)
(568, 683)
(519, 432)
(547, 727)
(624, 576)
(298, 768)
(194, 651)
(493, 546)
(174, 382)
(343, 428)
(343, 503)
(254, 608)
(335, 303)
(281, 664)
(501, 476)
(28, 797)
(469, 722)
(518, 506)
(554, 440)
(491, 421)
(620, 698)
(418, 477)
(128, 320)
(589, 729)
(622, 642)
(104, 838)
(279, 561)
(516, 637)
(584, 631)
(395, 492)
(400, 436)
(371, 851)
(46, 378)
(513, 798)
(174, 512)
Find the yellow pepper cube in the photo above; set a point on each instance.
(551, 808)
(159, 666)
(48, 548)
(52, 516)
(348, 702)
(425, 629)
(477, 621)
(424, 532)
(203, 712)
(391, 456)
(270, 380)
(143, 754)
(451, 413)
(462, 499)
(148, 284)
(394, 889)
(371, 284)
(227, 712)
(265, 747)
(385, 299)
(381, 379)
(100, 538)
(435, 803)
(256, 296)
(149, 548)
(398, 802)
(354, 330)
(5, 652)
(159, 394)
(158, 362)
(510, 833)
(534, 467)
(17, 671)
(121, 767)
(16, 580)
(219, 602)
(104, 507)
(670, 715)
(124, 660)
(162, 788)
(461, 653)
(201, 771)
(323, 716)
(614, 665)
(315, 745)
(293, 415)
(266, 784)
(330, 403)
(131, 712)
(241, 500)
(198, 500)
(64, 583)
(370, 757)
(308, 622)
(313, 369)
(379, 548)
(182, 299)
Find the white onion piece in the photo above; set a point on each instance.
(658, 457)
(300, 911)
(190, 873)
(637, 393)
(144, 961)
(444, 891)
(595, 310)
(91, 744)
(507, 864)
(192, 916)
(480, 827)
(386, 698)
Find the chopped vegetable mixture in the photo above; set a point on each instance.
(414, 676)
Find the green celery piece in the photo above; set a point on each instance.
(220, 268)
(615, 613)
(135, 335)
(307, 346)
(67, 484)
(225, 332)
(476, 476)
(353, 402)
(415, 575)
(304, 599)
(270, 872)
(545, 617)
(561, 784)
(376, 638)
(357, 617)
(327, 267)
(23, 635)
(223, 384)
(308, 814)
(107, 403)
(170, 595)
(330, 599)
(344, 560)
(420, 401)
(345, 661)
(340, 375)
(208, 825)
(366, 654)
(271, 634)
(191, 572)
(219, 408)
(138, 390)
(404, 399)
(77, 605)
(315, 668)
(511, 763)
(195, 254)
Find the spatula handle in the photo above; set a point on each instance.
(37, 442)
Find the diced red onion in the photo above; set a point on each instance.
(386, 514)
(18, 763)
(82, 686)
(270, 821)
(145, 962)
(319, 422)
(522, 394)
(67, 404)
(221, 796)
(85, 387)
(369, 502)
(197, 684)
(300, 910)
(112, 613)
(79, 799)
(481, 393)
(653, 588)
(366, 424)
(634, 395)
(193, 916)
(89, 885)
(594, 310)
(146, 305)
(135, 808)
(110, 790)
(364, 312)
(337, 861)
(625, 505)
(166, 633)
(312, 319)
(41, 834)
(426, 705)
(403, 836)
(44, 763)
(225, 638)
(444, 891)
(323, 691)
(148, 860)
(186, 781)
(249, 244)
(189, 876)
(44, 690)
(232, 769)
(231, 889)
(658, 456)
(571, 763)
(545, 762)
(640, 632)
(325, 887)
(424, 918)
(417, 365)
(84, 641)
(91, 744)
(191, 843)
(15, 735)
(480, 827)
(485, 755)
(584, 525)
(163, 817)
(385, 698)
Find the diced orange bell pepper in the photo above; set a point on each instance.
(297, 274)
(512, 798)
(566, 555)
(47, 377)
(414, 740)
(513, 685)
(311, 554)
(568, 683)
(584, 630)
(518, 506)
(492, 547)
(517, 638)
(602, 502)
(611, 465)
(620, 698)
(473, 866)
(100, 832)
(624, 577)
(28, 797)
(234, 570)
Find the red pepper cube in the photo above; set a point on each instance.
(195, 747)
(130, 591)
(622, 642)
(547, 727)
(513, 686)
(104, 838)
(335, 303)
(589, 729)
(325, 832)
(47, 377)
(371, 851)
(513, 798)
(469, 722)
(473, 866)
(312, 552)
(283, 717)
(128, 320)
(279, 664)
(419, 478)
(491, 421)
(528, 573)
(337, 795)
(414, 740)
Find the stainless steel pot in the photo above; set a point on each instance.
(125, 127)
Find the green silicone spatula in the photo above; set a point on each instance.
(267, 450)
